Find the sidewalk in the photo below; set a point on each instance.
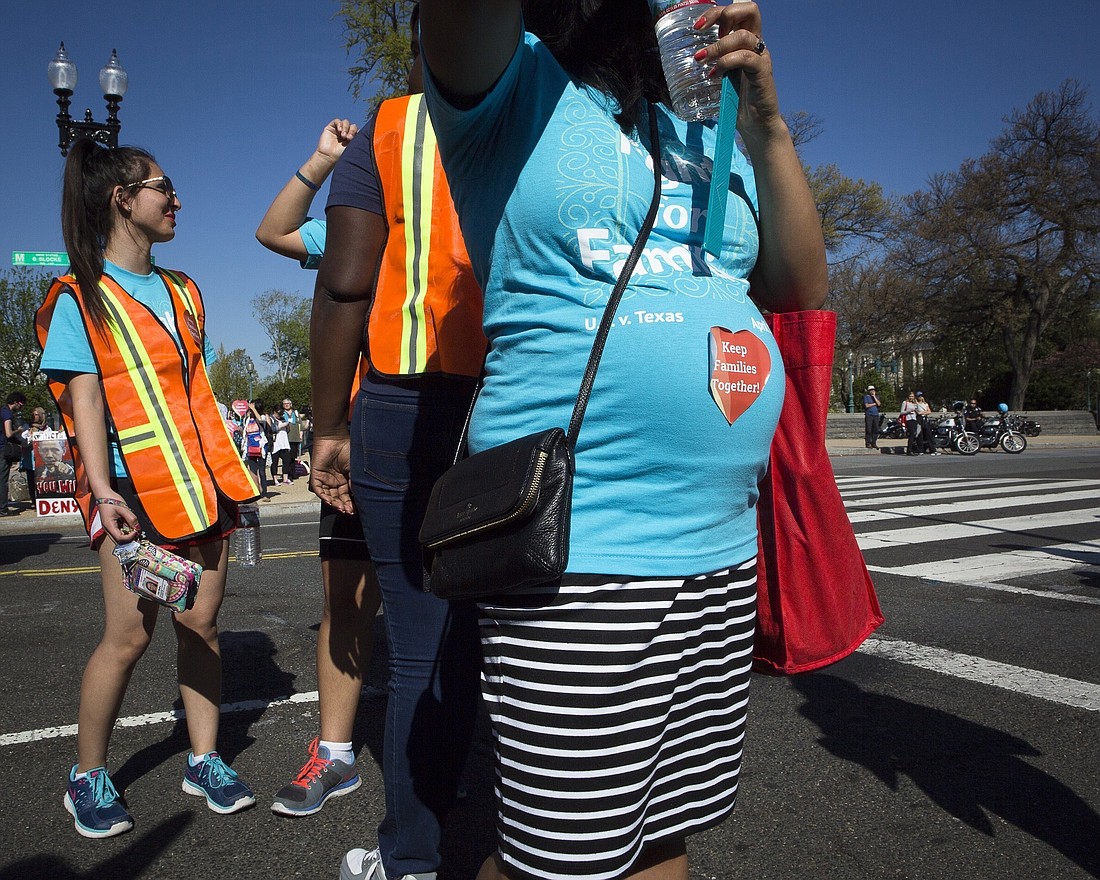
(293, 499)
(296, 499)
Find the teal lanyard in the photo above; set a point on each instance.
(723, 162)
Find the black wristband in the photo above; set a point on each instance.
(313, 186)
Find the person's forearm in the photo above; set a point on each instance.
(336, 333)
(278, 230)
(91, 431)
(791, 272)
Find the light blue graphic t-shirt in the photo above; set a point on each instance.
(551, 195)
(313, 233)
(68, 352)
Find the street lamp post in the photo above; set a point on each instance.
(112, 80)
(851, 382)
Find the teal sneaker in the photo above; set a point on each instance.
(95, 806)
(215, 781)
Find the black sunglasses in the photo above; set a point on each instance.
(162, 184)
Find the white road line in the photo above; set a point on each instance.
(26, 736)
(977, 489)
(972, 504)
(1007, 564)
(1046, 686)
(987, 585)
(1043, 685)
(954, 531)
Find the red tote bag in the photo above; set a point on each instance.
(816, 601)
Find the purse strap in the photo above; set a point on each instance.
(609, 311)
(620, 285)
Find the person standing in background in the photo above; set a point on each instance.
(924, 420)
(289, 422)
(38, 423)
(912, 426)
(351, 595)
(871, 408)
(10, 437)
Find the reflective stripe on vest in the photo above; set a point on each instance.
(426, 313)
(418, 197)
(160, 429)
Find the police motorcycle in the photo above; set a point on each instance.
(1004, 431)
(950, 432)
(1027, 427)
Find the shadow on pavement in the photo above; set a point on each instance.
(967, 769)
(139, 852)
(17, 548)
(249, 672)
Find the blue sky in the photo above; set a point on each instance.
(231, 96)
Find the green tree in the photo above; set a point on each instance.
(233, 375)
(22, 291)
(285, 318)
(376, 35)
(855, 215)
(1012, 240)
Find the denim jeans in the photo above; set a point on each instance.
(402, 438)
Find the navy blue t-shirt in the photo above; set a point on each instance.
(355, 182)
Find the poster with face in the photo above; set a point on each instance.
(54, 474)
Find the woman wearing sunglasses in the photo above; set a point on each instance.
(125, 351)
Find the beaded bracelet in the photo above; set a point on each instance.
(113, 501)
(313, 186)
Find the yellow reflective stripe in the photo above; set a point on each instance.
(181, 289)
(417, 184)
(165, 433)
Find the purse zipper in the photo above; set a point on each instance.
(528, 502)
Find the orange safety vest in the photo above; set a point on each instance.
(426, 313)
(161, 410)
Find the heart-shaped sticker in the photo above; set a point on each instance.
(739, 368)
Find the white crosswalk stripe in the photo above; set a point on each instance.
(947, 510)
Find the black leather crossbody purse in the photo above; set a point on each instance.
(498, 521)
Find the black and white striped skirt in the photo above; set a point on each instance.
(618, 709)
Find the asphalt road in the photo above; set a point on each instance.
(960, 742)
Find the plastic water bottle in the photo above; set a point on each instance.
(695, 96)
(246, 540)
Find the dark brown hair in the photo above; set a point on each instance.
(87, 215)
(607, 44)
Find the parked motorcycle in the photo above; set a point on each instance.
(950, 432)
(1003, 432)
(1027, 427)
(891, 429)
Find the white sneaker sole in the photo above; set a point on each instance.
(116, 829)
(235, 807)
(281, 810)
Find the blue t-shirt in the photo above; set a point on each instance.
(872, 408)
(551, 195)
(313, 233)
(68, 352)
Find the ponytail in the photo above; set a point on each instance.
(88, 214)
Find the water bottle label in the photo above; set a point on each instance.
(660, 8)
